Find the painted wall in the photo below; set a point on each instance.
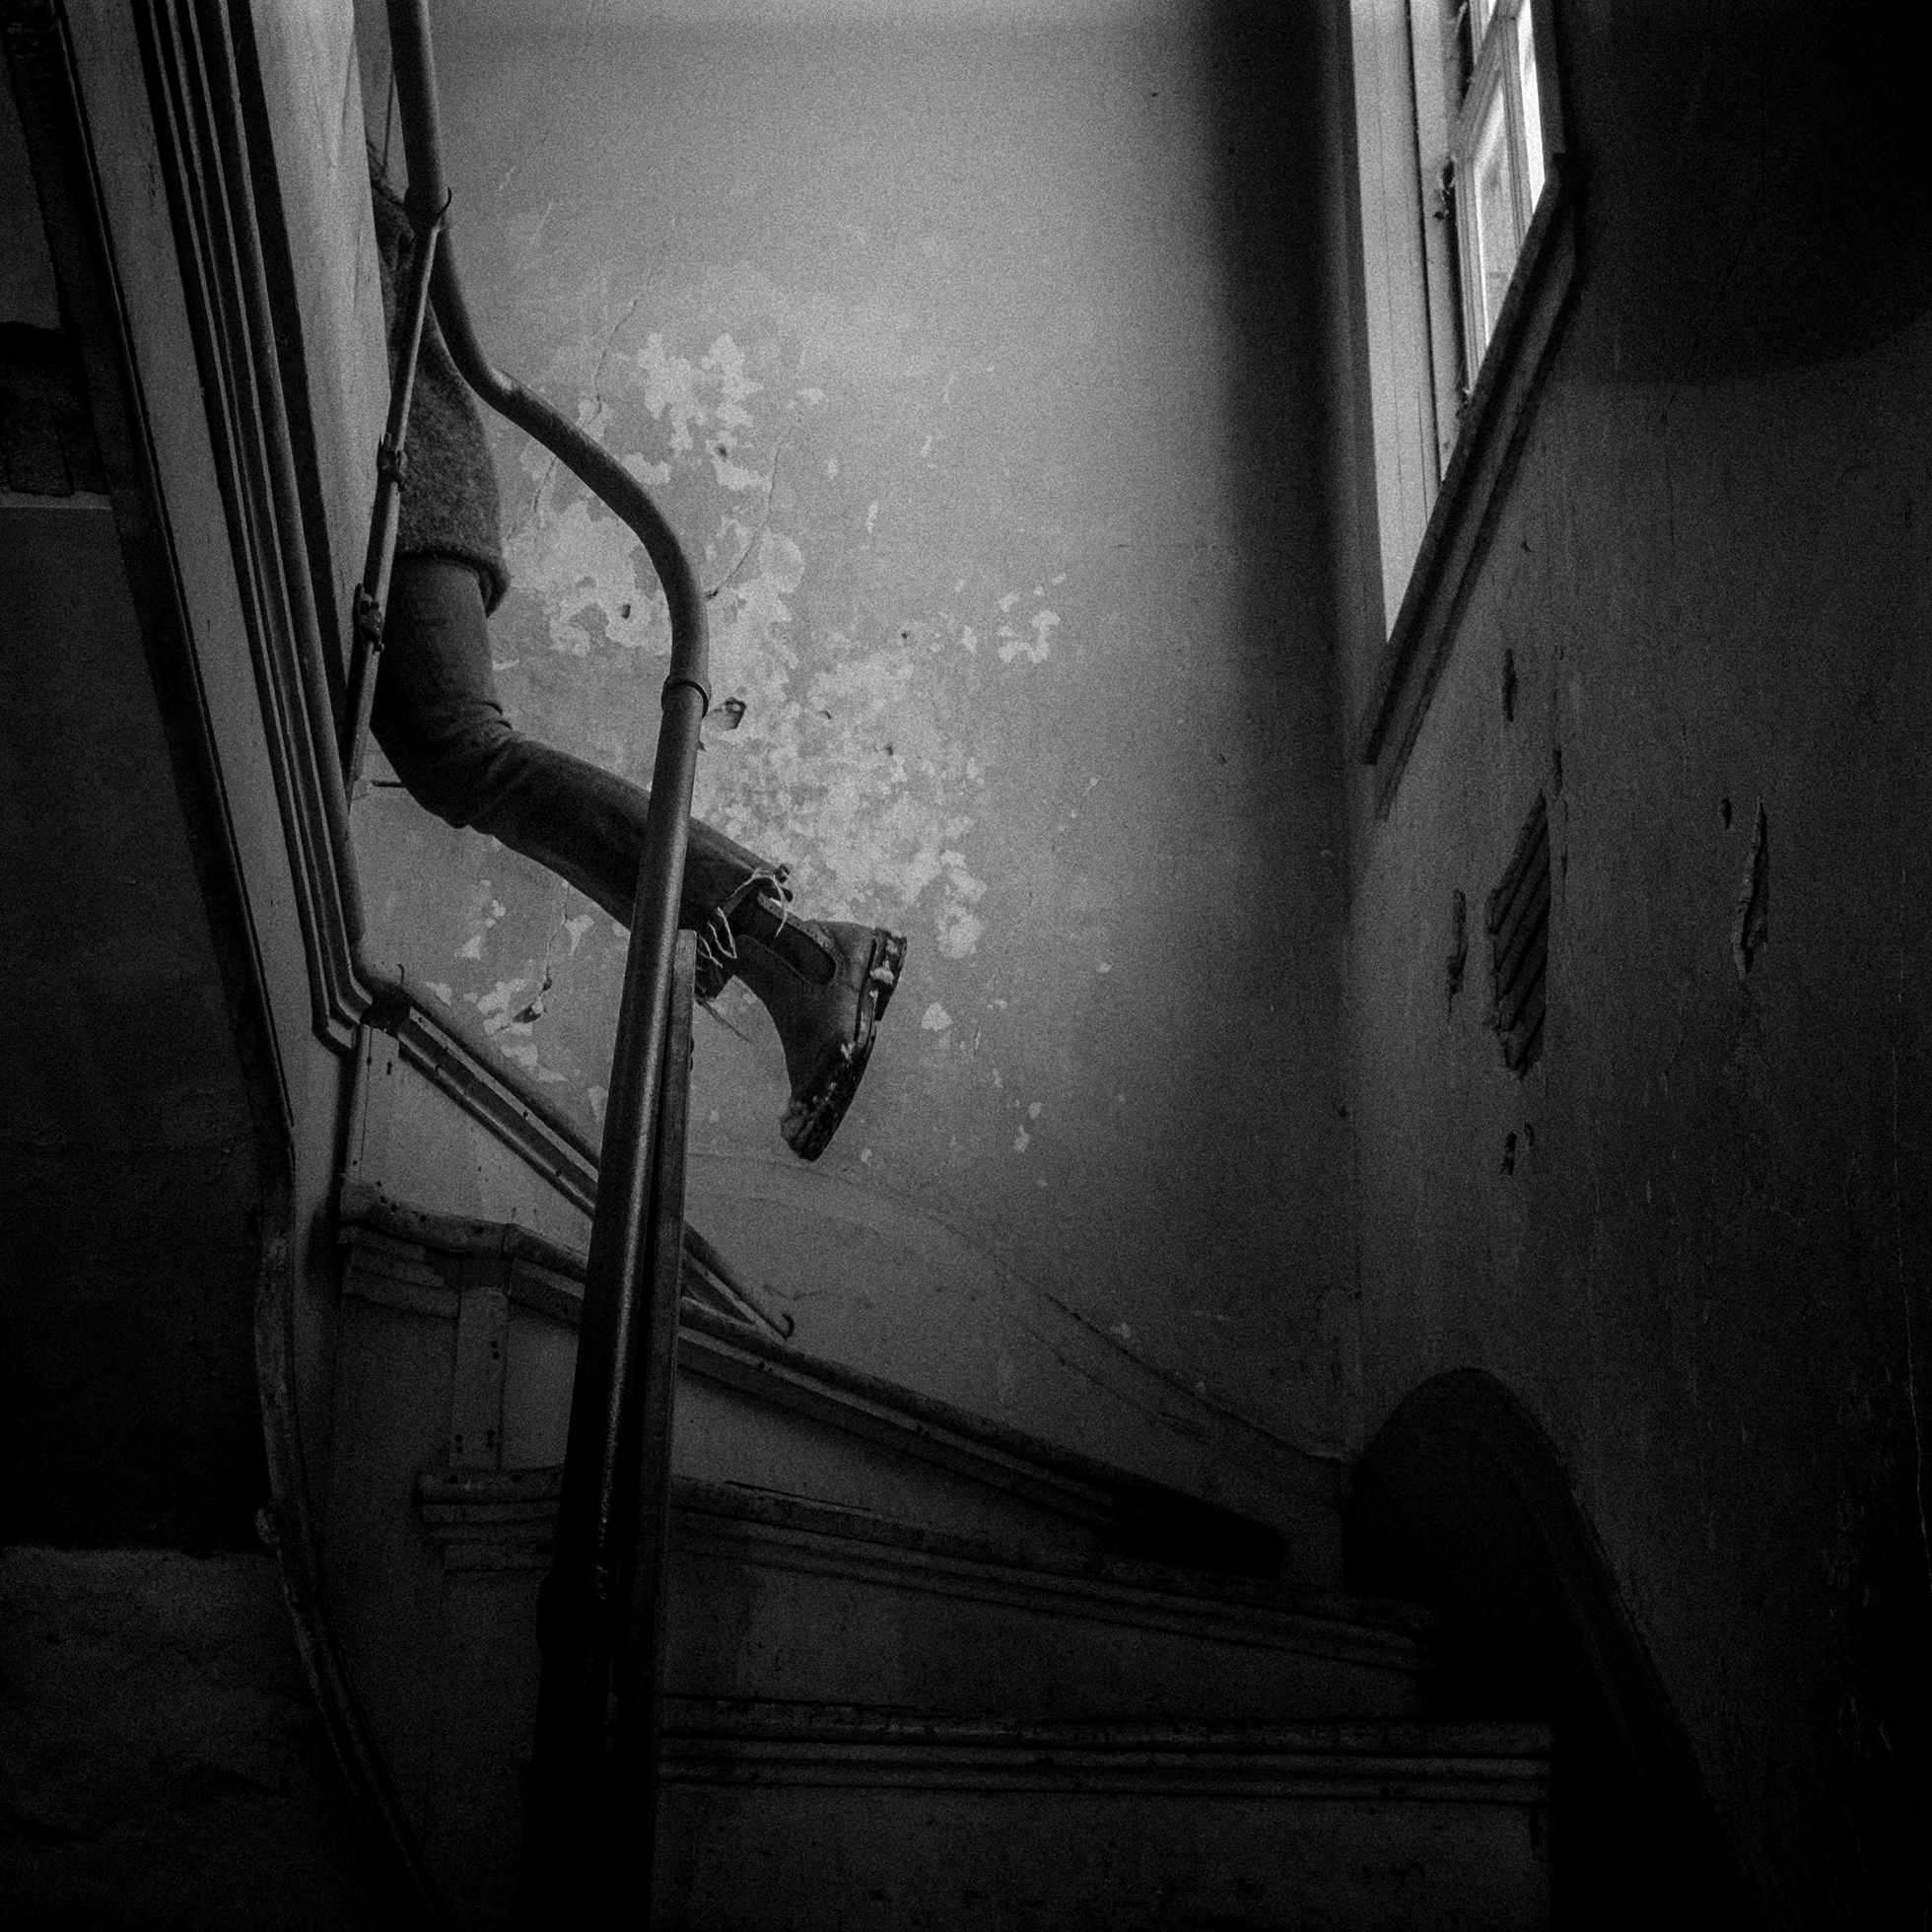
(1693, 1240)
(979, 360)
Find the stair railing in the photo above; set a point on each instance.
(590, 1815)
(392, 475)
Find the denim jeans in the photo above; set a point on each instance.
(437, 719)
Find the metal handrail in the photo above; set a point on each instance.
(586, 1606)
(391, 474)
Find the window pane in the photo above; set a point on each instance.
(1532, 107)
(1495, 210)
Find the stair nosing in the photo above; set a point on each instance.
(513, 1507)
(760, 1741)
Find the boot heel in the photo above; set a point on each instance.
(813, 1117)
(888, 962)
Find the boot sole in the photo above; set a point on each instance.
(826, 1106)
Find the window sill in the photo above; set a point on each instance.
(1459, 526)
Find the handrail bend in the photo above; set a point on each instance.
(586, 1608)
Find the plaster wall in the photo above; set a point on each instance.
(1693, 1240)
(978, 356)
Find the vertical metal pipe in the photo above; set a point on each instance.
(583, 1619)
(571, 1826)
(639, 1673)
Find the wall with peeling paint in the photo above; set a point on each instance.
(979, 362)
(1704, 1269)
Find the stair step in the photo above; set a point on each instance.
(754, 1408)
(797, 1816)
(775, 1594)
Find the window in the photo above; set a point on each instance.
(1496, 166)
(1456, 135)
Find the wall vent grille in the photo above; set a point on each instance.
(1519, 943)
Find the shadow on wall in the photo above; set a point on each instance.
(1459, 1503)
(1269, 102)
(1784, 220)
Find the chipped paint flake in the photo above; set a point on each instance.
(1043, 624)
(936, 1018)
(1020, 1140)
(734, 476)
(498, 1008)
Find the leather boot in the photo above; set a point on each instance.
(826, 986)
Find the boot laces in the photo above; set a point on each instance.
(718, 941)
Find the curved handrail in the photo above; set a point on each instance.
(584, 1614)
(428, 195)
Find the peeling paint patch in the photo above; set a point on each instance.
(1020, 1139)
(574, 560)
(524, 1054)
(935, 1019)
(496, 1006)
(842, 755)
(695, 393)
(1753, 921)
(1043, 624)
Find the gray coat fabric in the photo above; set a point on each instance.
(450, 501)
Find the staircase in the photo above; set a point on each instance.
(921, 1668)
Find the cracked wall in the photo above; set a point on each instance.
(996, 446)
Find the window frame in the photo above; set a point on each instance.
(1426, 500)
(1496, 71)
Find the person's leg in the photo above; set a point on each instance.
(437, 719)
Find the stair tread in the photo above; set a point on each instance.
(489, 1497)
(1131, 1509)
